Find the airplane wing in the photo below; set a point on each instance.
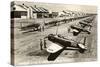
(86, 24)
(74, 27)
(75, 30)
(81, 29)
(53, 56)
(86, 30)
(87, 21)
(54, 50)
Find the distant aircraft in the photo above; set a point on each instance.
(60, 43)
(31, 26)
(88, 20)
(85, 24)
(77, 30)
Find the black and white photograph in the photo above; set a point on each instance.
(49, 33)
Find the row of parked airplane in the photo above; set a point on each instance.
(82, 26)
(35, 26)
(60, 43)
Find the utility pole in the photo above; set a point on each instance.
(57, 28)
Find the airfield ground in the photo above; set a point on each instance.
(27, 48)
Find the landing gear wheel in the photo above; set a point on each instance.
(81, 50)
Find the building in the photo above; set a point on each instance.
(22, 11)
(39, 12)
(18, 11)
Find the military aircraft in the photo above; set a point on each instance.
(83, 24)
(31, 26)
(60, 43)
(77, 30)
(88, 20)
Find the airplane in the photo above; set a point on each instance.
(83, 24)
(77, 30)
(60, 43)
(31, 26)
(88, 20)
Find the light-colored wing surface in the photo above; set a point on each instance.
(53, 48)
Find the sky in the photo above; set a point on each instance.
(60, 7)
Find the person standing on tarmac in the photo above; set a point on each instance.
(45, 43)
(41, 44)
(42, 25)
